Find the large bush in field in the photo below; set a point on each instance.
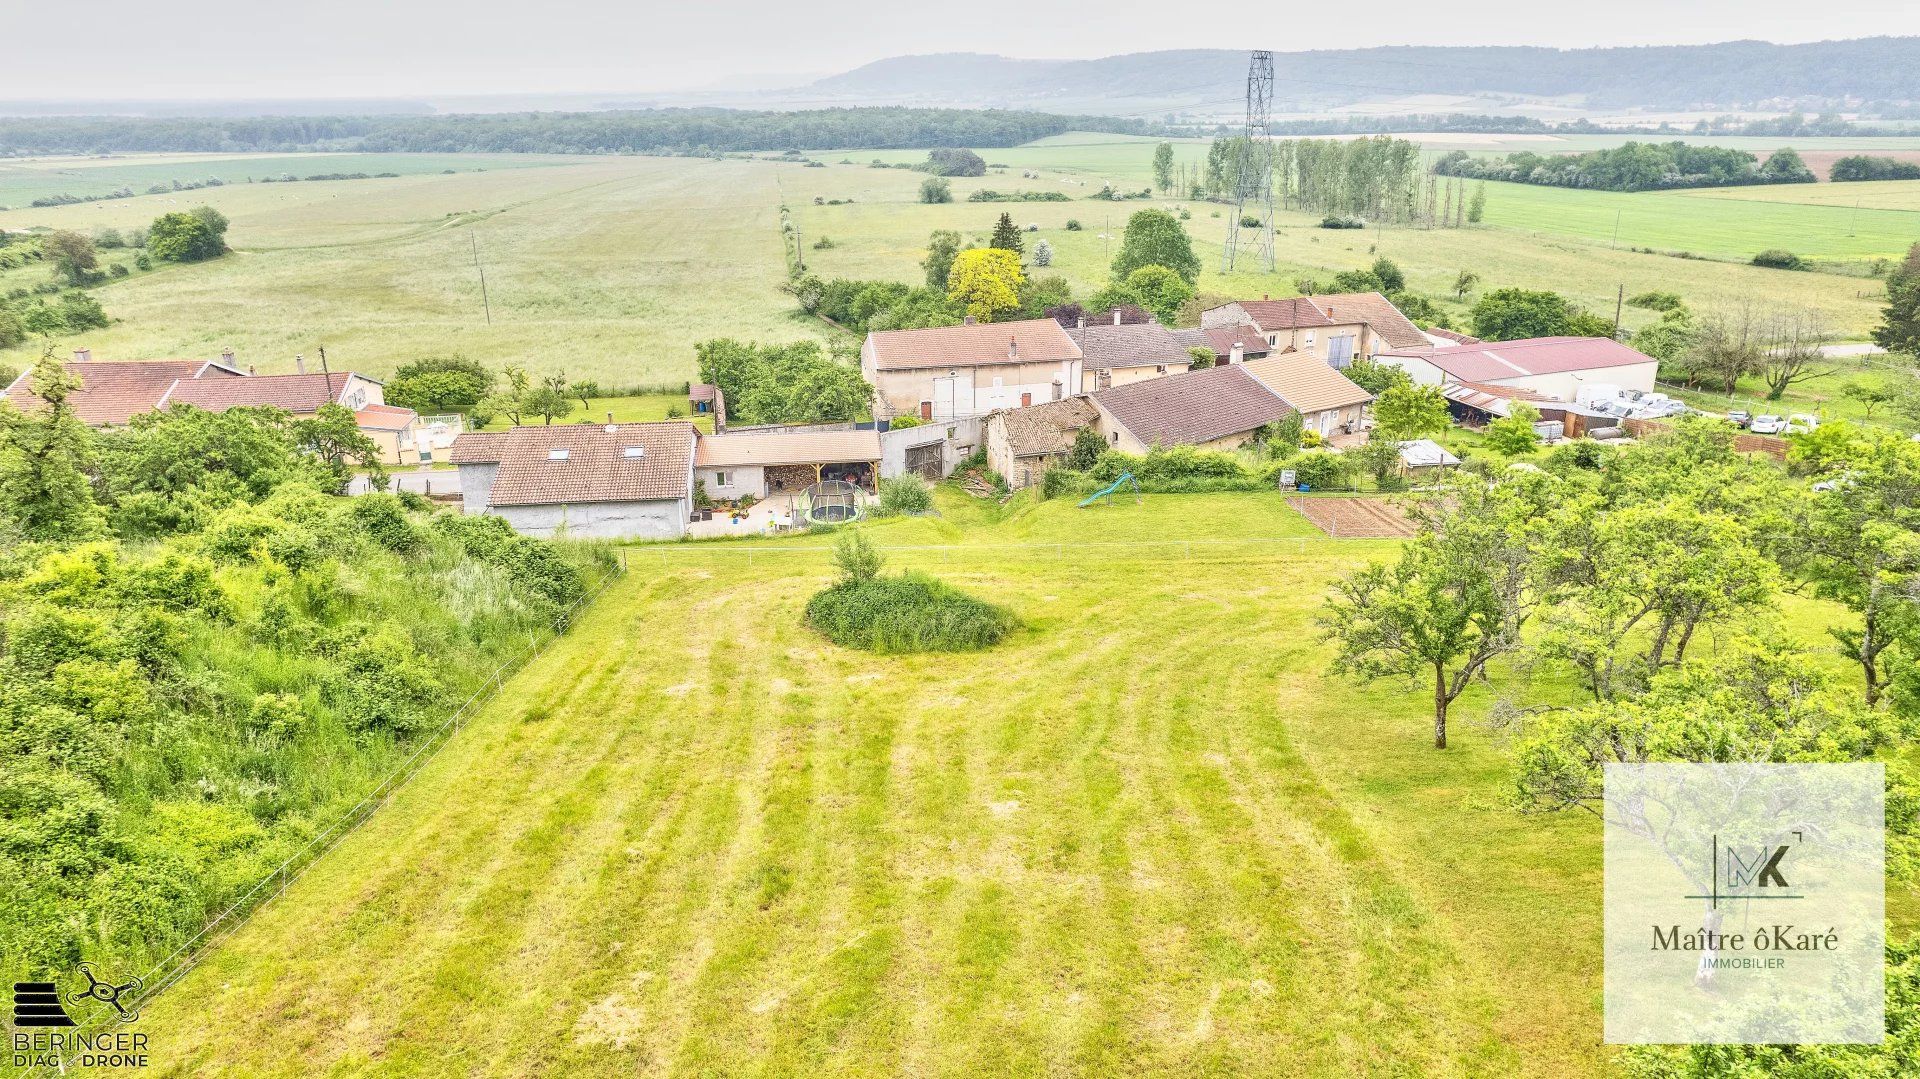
(910, 612)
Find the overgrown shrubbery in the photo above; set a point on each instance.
(905, 494)
(910, 612)
(184, 707)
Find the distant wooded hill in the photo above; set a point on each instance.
(1725, 75)
(699, 131)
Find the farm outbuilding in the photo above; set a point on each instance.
(764, 463)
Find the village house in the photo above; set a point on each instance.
(1329, 403)
(1565, 369)
(952, 372)
(1023, 443)
(112, 393)
(1116, 354)
(1216, 408)
(612, 481)
(1337, 328)
(1229, 344)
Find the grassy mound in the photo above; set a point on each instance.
(908, 613)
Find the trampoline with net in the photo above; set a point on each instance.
(829, 502)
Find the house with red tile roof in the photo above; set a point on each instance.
(1337, 328)
(953, 372)
(113, 392)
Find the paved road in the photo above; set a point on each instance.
(445, 481)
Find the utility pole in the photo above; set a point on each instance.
(1616, 228)
(1619, 309)
(326, 374)
(485, 303)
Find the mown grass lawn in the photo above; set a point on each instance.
(1147, 836)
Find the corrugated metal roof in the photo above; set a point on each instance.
(787, 448)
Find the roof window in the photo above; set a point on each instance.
(631, 452)
(559, 455)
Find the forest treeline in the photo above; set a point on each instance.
(653, 131)
(1636, 166)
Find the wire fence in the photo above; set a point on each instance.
(184, 958)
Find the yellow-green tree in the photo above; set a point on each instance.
(986, 281)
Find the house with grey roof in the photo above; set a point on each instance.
(1337, 328)
(1213, 408)
(612, 481)
(1114, 354)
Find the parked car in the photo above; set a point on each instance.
(1740, 417)
(1767, 425)
(1800, 423)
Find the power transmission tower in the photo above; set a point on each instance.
(1253, 186)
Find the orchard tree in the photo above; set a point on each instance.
(1859, 543)
(1465, 283)
(1510, 314)
(550, 399)
(1408, 411)
(1156, 238)
(1513, 433)
(72, 254)
(1457, 598)
(1163, 167)
(334, 438)
(986, 282)
(936, 189)
(1159, 290)
(942, 246)
(439, 384)
(46, 460)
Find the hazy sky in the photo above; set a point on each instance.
(369, 48)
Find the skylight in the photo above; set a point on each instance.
(633, 451)
(559, 455)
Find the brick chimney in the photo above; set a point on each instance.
(300, 364)
(82, 355)
(967, 320)
(1265, 296)
(1083, 320)
(1013, 349)
(1239, 353)
(226, 356)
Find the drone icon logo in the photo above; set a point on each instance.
(106, 993)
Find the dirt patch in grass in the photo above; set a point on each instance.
(1354, 517)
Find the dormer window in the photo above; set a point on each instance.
(633, 452)
(559, 455)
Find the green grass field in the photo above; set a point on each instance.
(1148, 836)
(25, 179)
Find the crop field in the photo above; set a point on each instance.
(612, 268)
(1146, 835)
